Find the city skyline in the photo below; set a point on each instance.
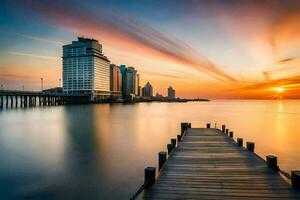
(244, 50)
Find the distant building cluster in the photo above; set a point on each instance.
(171, 93)
(87, 70)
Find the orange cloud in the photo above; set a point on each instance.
(127, 33)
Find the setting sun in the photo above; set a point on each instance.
(279, 89)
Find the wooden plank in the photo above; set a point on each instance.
(207, 164)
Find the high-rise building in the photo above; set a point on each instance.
(137, 84)
(115, 78)
(171, 93)
(147, 90)
(123, 70)
(85, 68)
(130, 80)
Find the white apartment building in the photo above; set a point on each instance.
(85, 68)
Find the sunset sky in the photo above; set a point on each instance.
(212, 49)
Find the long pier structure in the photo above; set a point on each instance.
(207, 163)
(15, 99)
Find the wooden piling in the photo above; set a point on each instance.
(208, 125)
(184, 126)
(240, 141)
(6, 101)
(179, 137)
(162, 157)
(231, 134)
(150, 173)
(272, 162)
(226, 131)
(223, 128)
(250, 146)
(296, 179)
(173, 142)
(11, 101)
(170, 148)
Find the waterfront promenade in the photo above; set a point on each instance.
(208, 164)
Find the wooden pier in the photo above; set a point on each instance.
(23, 99)
(208, 164)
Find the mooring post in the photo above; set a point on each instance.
(240, 141)
(250, 146)
(296, 179)
(231, 134)
(162, 157)
(272, 161)
(184, 126)
(179, 138)
(226, 131)
(208, 125)
(223, 128)
(173, 142)
(170, 148)
(150, 173)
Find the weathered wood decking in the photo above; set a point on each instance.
(207, 164)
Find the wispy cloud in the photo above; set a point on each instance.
(158, 74)
(38, 38)
(286, 60)
(30, 55)
(131, 33)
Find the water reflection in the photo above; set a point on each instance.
(99, 151)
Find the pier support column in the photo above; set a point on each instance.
(6, 101)
(29, 101)
(150, 173)
(231, 134)
(296, 179)
(21, 101)
(1, 101)
(208, 125)
(16, 104)
(25, 101)
(272, 162)
(11, 101)
(226, 131)
(162, 157)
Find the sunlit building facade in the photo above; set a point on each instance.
(85, 68)
(115, 78)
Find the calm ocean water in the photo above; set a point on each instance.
(100, 151)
